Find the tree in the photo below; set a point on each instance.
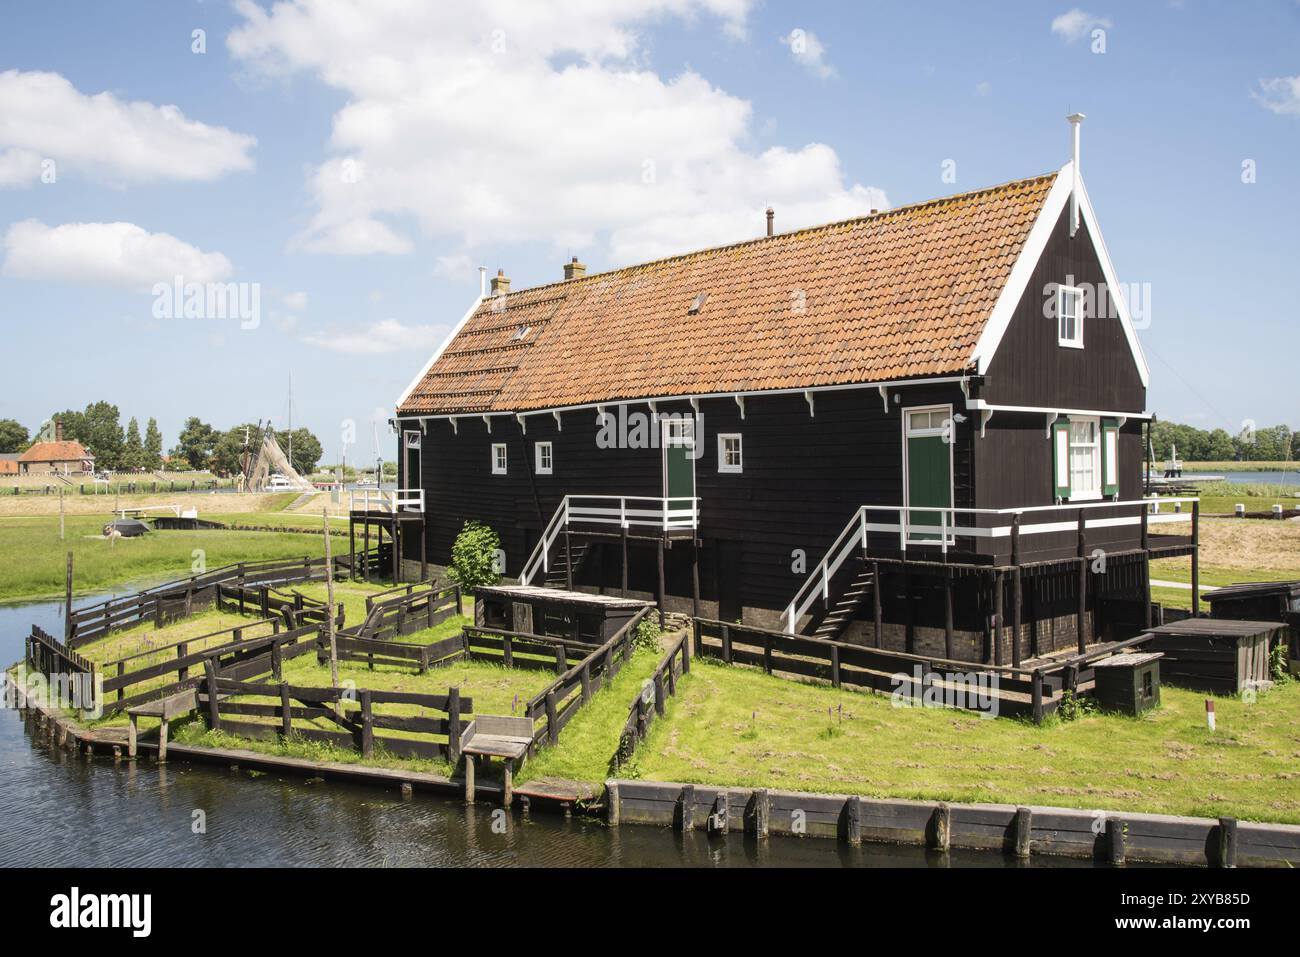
(13, 436)
(152, 445)
(99, 429)
(196, 442)
(133, 449)
(474, 556)
(228, 449)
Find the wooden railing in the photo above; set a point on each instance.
(561, 699)
(353, 716)
(390, 615)
(624, 512)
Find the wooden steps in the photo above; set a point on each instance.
(557, 575)
(846, 607)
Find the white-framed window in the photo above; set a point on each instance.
(1085, 459)
(730, 457)
(543, 458)
(1069, 317)
(499, 458)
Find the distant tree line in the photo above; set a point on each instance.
(200, 446)
(1276, 443)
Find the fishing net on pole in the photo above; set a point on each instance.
(271, 458)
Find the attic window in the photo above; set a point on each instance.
(520, 333)
(697, 303)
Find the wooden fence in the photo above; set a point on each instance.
(183, 597)
(294, 607)
(404, 610)
(376, 651)
(559, 701)
(50, 656)
(521, 649)
(435, 738)
(649, 702)
(239, 657)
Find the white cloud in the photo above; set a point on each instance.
(983, 88)
(19, 167)
(387, 335)
(295, 301)
(44, 116)
(1280, 94)
(809, 51)
(1076, 24)
(119, 254)
(507, 122)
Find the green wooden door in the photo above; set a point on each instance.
(679, 461)
(929, 472)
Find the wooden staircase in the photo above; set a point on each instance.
(846, 606)
(557, 575)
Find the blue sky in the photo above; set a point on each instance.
(358, 161)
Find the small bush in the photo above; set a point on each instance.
(1073, 706)
(1277, 665)
(473, 556)
(647, 634)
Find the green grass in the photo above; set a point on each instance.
(1179, 570)
(1221, 498)
(1213, 467)
(737, 726)
(32, 558)
(588, 741)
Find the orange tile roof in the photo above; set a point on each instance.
(900, 294)
(67, 451)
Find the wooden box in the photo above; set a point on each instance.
(1213, 654)
(1129, 684)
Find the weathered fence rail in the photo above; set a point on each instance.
(352, 721)
(180, 598)
(392, 614)
(49, 656)
(650, 700)
(373, 651)
(239, 657)
(521, 649)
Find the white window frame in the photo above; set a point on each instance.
(500, 463)
(1076, 341)
(723, 466)
(539, 468)
(1093, 494)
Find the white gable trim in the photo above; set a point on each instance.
(1014, 290)
(439, 351)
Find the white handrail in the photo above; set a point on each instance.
(631, 511)
(949, 531)
(388, 500)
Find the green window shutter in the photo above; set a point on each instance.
(1109, 457)
(1061, 458)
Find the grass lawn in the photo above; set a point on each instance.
(32, 558)
(737, 726)
(1232, 550)
(1222, 498)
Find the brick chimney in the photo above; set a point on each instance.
(58, 430)
(500, 284)
(574, 269)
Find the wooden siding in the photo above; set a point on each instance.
(1031, 368)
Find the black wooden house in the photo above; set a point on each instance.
(920, 429)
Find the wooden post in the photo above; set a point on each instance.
(469, 779)
(659, 694)
(762, 812)
(131, 732)
(611, 803)
(947, 613)
(686, 802)
(552, 718)
(329, 607)
(367, 724)
(424, 552)
(162, 740)
(853, 820)
(1038, 696)
(1115, 841)
(507, 651)
(1146, 569)
(286, 711)
(909, 631)
(1015, 539)
(568, 560)
(998, 614)
(1227, 833)
(1017, 606)
(1024, 828)
(726, 644)
(1196, 557)
(624, 539)
(662, 596)
(561, 658)
(835, 666)
(1082, 615)
(214, 710)
(365, 548)
(453, 724)
(876, 605)
(352, 549)
(941, 827)
(67, 600)
(695, 577)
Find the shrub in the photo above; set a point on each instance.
(647, 633)
(473, 556)
(1277, 665)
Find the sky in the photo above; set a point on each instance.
(350, 165)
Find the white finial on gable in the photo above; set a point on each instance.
(1076, 121)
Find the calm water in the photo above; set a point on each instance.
(1252, 478)
(61, 809)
